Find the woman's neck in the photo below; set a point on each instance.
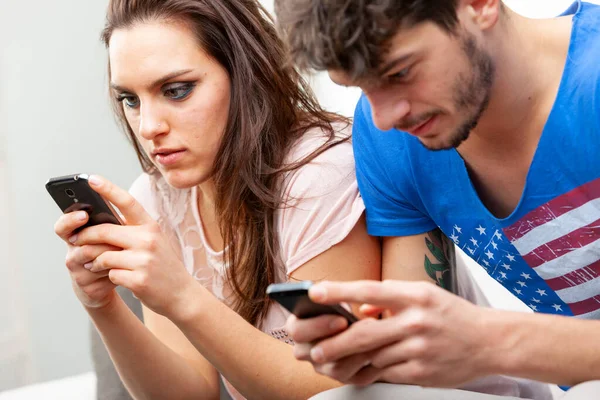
(208, 215)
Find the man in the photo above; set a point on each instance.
(484, 126)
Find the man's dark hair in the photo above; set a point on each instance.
(351, 35)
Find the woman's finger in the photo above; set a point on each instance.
(67, 223)
(121, 259)
(83, 278)
(120, 236)
(81, 255)
(131, 209)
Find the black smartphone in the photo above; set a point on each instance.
(73, 193)
(294, 297)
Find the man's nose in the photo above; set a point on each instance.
(387, 110)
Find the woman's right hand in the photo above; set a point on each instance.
(93, 289)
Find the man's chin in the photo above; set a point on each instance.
(439, 142)
(436, 144)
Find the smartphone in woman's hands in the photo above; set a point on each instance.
(73, 193)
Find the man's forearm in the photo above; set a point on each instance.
(547, 348)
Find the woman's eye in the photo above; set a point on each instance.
(179, 91)
(129, 101)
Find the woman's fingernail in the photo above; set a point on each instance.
(95, 180)
(73, 239)
(88, 266)
(81, 216)
(317, 354)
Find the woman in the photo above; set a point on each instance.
(247, 182)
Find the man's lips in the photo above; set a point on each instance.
(421, 128)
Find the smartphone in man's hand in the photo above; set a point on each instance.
(294, 297)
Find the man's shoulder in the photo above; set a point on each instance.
(370, 140)
(586, 30)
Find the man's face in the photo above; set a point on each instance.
(430, 84)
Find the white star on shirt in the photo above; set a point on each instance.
(481, 230)
(522, 284)
(454, 238)
(457, 228)
(472, 240)
(487, 264)
(526, 276)
(494, 245)
(533, 307)
(498, 235)
(506, 267)
(541, 292)
(490, 255)
(510, 257)
(536, 300)
(503, 274)
(517, 291)
(557, 307)
(470, 250)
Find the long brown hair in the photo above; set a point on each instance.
(271, 107)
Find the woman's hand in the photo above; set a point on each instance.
(94, 290)
(142, 259)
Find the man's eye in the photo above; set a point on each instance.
(128, 100)
(179, 91)
(400, 74)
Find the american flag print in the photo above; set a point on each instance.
(549, 258)
(559, 241)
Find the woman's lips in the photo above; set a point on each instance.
(167, 159)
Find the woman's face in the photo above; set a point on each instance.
(174, 95)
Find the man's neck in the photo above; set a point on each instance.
(529, 56)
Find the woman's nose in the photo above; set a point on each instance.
(152, 125)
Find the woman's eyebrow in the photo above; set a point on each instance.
(156, 83)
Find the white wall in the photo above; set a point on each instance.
(15, 350)
(54, 120)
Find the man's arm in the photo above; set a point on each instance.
(431, 337)
(427, 257)
(435, 338)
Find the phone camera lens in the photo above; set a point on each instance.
(70, 193)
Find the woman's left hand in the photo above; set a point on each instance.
(147, 264)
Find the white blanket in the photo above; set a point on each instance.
(79, 387)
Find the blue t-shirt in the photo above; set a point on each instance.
(547, 252)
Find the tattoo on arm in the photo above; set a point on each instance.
(443, 269)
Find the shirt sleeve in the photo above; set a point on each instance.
(323, 206)
(383, 171)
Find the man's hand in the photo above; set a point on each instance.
(431, 337)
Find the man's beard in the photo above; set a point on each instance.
(472, 93)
